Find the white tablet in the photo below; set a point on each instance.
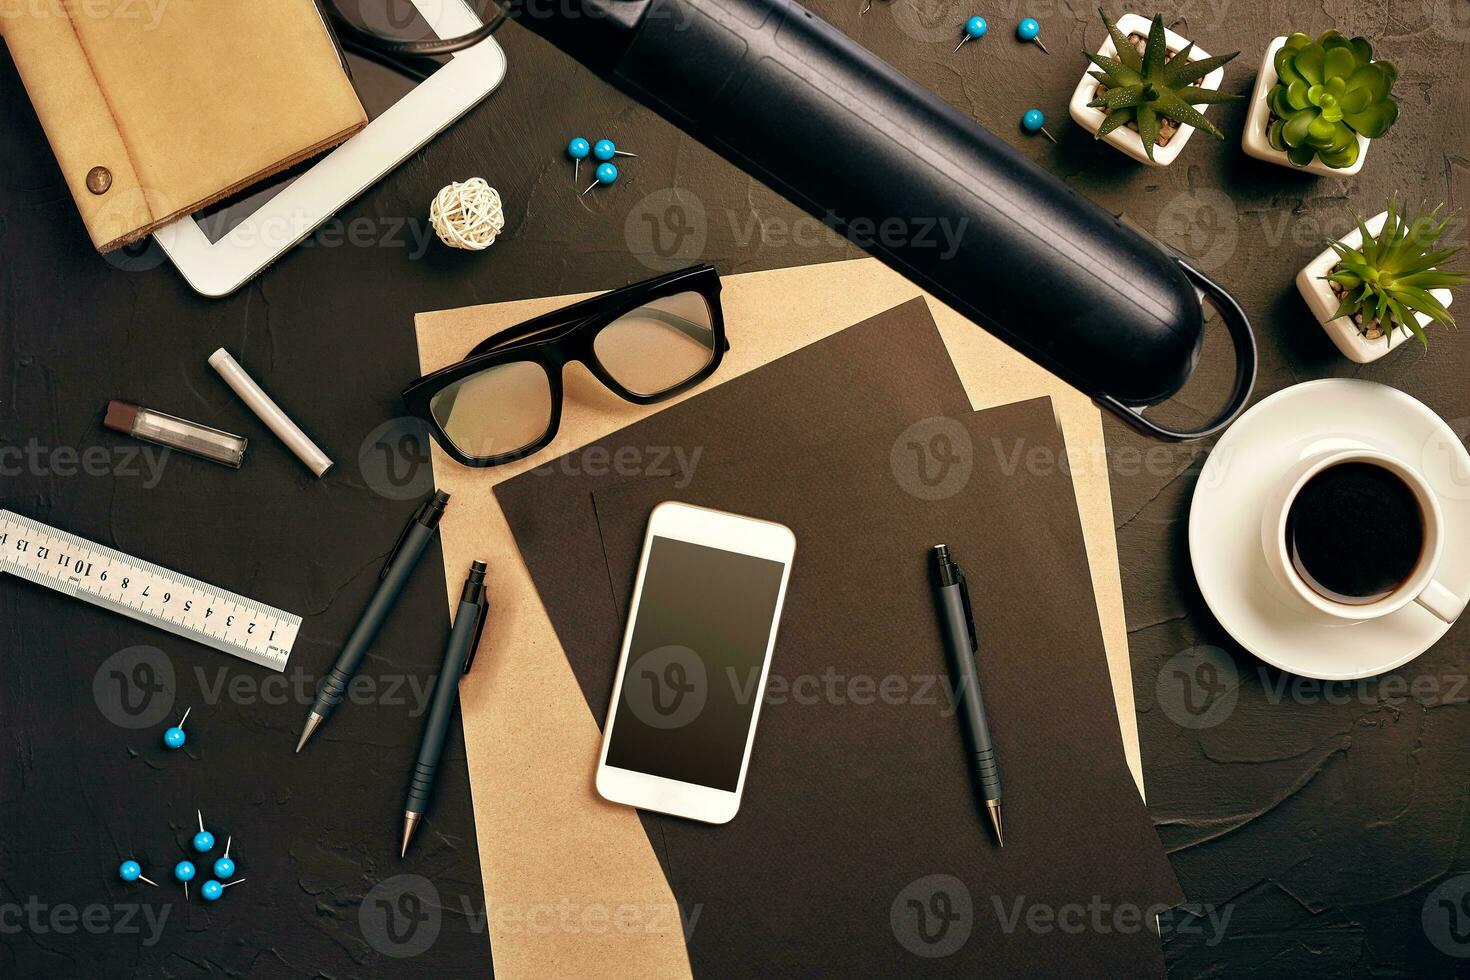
(223, 246)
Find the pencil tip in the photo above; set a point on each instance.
(410, 823)
(312, 721)
(993, 808)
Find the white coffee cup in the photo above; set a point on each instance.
(1421, 586)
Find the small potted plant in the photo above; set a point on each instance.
(1150, 91)
(1317, 104)
(1382, 282)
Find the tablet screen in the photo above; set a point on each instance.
(378, 88)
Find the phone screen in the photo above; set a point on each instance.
(693, 675)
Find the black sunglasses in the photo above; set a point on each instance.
(646, 342)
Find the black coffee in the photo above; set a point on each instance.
(1355, 532)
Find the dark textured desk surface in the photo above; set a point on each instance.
(1321, 823)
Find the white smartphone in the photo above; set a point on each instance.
(695, 657)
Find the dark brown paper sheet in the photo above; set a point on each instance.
(856, 800)
(899, 364)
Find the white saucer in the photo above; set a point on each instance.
(1225, 524)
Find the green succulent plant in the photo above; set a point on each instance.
(1329, 91)
(1387, 279)
(1143, 88)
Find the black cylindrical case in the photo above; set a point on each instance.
(912, 180)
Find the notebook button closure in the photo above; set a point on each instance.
(99, 180)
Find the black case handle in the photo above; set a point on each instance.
(1244, 340)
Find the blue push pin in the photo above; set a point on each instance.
(975, 29)
(174, 737)
(578, 149)
(184, 872)
(132, 871)
(204, 840)
(212, 890)
(606, 149)
(606, 174)
(1033, 122)
(224, 867)
(1028, 30)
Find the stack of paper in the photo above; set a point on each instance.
(850, 881)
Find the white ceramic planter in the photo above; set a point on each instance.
(1343, 331)
(1254, 142)
(1124, 137)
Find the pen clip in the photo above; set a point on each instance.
(480, 618)
(418, 514)
(964, 585)
(396, 546)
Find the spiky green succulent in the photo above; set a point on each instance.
(1143, 88)
(1387, 279)
(1329, 92)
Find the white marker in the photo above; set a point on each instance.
(270, 413)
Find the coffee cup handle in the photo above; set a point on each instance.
(1441, 601)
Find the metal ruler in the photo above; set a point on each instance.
(148, 593)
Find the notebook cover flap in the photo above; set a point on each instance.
(183, 102)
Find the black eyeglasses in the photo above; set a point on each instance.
(646, 342)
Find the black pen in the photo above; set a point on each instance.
(459, 654)
(400, 564)
(959, 623)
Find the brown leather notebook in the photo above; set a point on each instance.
(157, 108)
